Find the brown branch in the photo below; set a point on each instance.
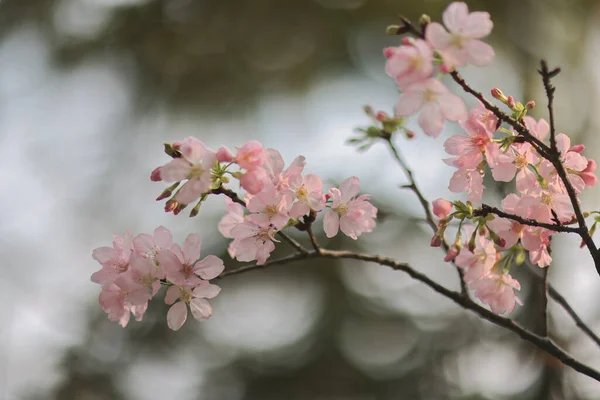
(425, 205)
(545, 284)
(556, 296)
(542, 343)
(313, 239)
(486, 210)
(547, 75)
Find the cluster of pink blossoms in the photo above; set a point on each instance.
(133, 270)
(276, 197)
(542, 195)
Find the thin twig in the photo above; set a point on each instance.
(543, 343)
(545, 284)
(486, 210)
(556, 296)
(425, 205)
(547, 75)
(313, 239)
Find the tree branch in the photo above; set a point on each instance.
(547, 75)
(486, 210)
(543, 343)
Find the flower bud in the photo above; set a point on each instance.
(155, 175)
(530, 105)
(171, 205)
(510, 102)
(393, 30)
(381, 116)
(424, 19)
(436, 241)
(409, 134)
(408, 41)
(441, 208)
(389, 52)
(497, 94)
(452, 253)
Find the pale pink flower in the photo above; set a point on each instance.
(280, 178)
(148, 245)
(251, 155)
(482, 118)
(508, 230)
(182, 265)
(461, 45)
(252, 242)
(195, 165)
(498, 291)
(436, 103)
(471, 149)
(537, 241)
(353, 215)
(479, 263)
(573, 162)
(270, 207)
(470, 180)
(310, 196)
(441, 208)
(410, 64)
(114, 260)
(192, 296)
(234, 216)
(118, 298)
(539, 129)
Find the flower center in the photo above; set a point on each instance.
(546, 199)
(196, 171)
(521, 161)
(429, 95)
(271, 211)
(302, 193)
(457, 40)
(341, 209)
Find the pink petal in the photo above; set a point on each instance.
(455, 16)
(453, 108)
(313, 183)
(200, 308)
(163, 237)
(176, 170)
(563, 143)
(409, 103)
(431, 119)
(191, 247)
(331, 223)
(103, 254)
(143, 243)
(206, 290)
(192, 190)
(479, 53)
(177, 315)
(477, 25)
(349, 188)
(437, 36)
(209, 268)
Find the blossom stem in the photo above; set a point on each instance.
(486, 210)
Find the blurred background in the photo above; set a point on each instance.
(89, 91)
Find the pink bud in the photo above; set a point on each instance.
(176, 145)
(171, 205)
(251, 155)
(407, 41)
(501, 243)
(409, 134)
(588, 175)
(530, 105)
(510, 102)
(225, 155)
(582, 245)
(436, 241)
(381, 116)
(441, 208)
(444, 68)
(389, 52)
(155, 175)
(164, 195)
(253, 181)
(577, 148)
(452, 253)
(497, 93)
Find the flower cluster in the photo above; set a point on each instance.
(276, 197)
(133, 270)
(495, 243)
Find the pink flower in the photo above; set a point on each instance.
(479, 263)
(469, 180)
(498, 291)
(271, 207)
(114, 260)
(539, 129)
(252, 242)
(441, 208)
(234, 216)
(310, 196)
(410, 64)
(195, 165)
(537, 241)
(471, 149)
(436, 103)
(251, 155)
(461, 45)
(150, 245)
(573, 162)
(118, 298)
(182, 266)
(145, 273)
(192, 296)
(279, 177)
(353, 215)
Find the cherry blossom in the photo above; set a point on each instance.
(441, 208)
(460, 45)
(410, 64)
(150, 245)
(252, 242)
(436, 103)
(498, 291)
(193, 297)
(353, 215)
(114, 260)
